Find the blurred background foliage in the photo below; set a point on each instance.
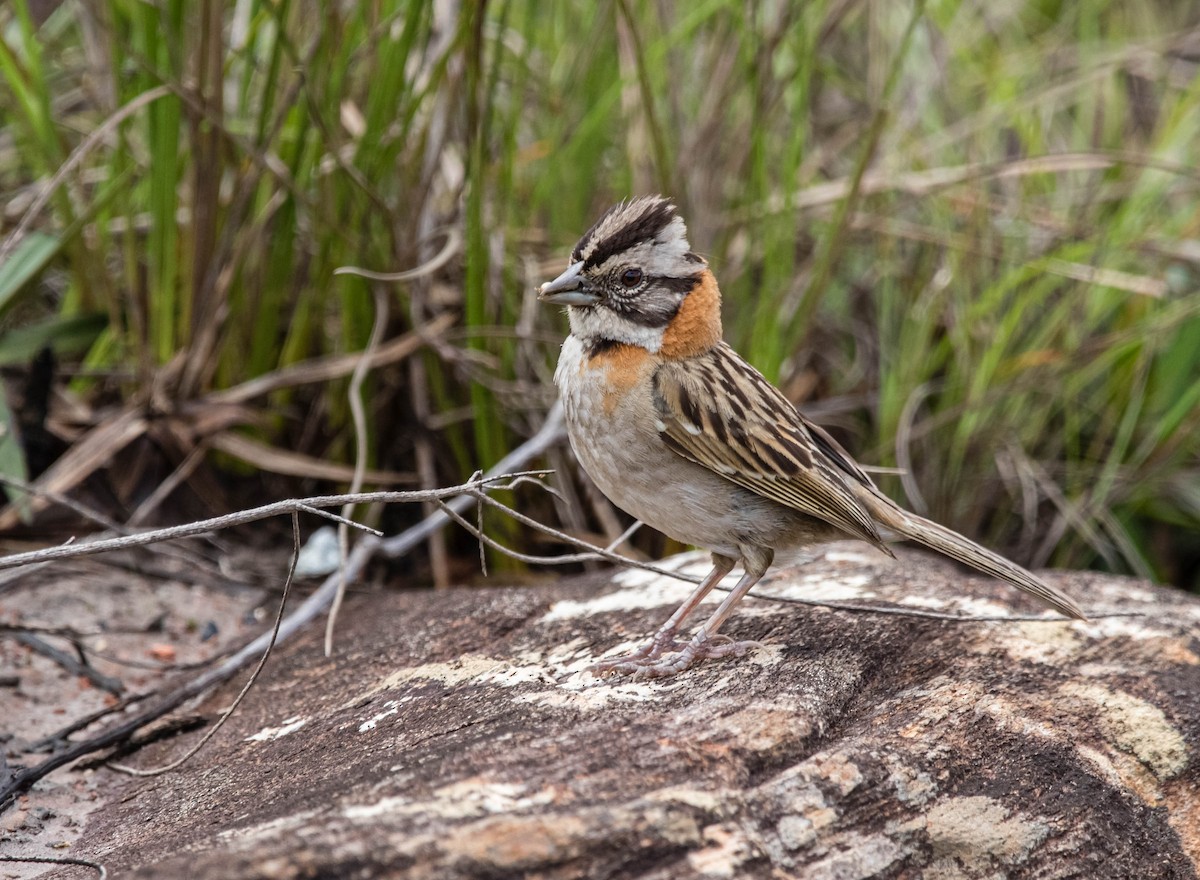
(964, 234)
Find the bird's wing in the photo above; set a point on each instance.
(718, 411)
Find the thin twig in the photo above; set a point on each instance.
(624, 536)
(57, 860)
(287, 584)
(486, 540)
(90, 513)
(77, 507)
(902, 611)
(70, 664)
(323, 369)
(59, 736)
(66, 632)
(920, 183)
(594, 551)
(449, 250)
(312, 505)
(154, 666)
(479, 525)
(359, 419)
(185, 469)
(551, 433)
(908, 477)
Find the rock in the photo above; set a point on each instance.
(456, 734)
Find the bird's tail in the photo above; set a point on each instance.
(952, 544)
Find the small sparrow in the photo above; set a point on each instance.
(683, 434)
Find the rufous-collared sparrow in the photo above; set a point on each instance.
(682, 433)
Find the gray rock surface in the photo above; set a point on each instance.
(457, 734)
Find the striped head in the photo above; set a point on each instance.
(630, 275)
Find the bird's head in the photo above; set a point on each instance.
(629, 275)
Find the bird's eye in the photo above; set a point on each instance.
(631, 277)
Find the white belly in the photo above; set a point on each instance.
(619, 446)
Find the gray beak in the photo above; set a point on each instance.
(567, 289)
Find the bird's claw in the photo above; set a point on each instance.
(662, 659)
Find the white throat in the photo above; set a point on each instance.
(597, 323)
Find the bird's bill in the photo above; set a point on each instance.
(567, 289)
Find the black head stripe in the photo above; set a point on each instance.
(586, 238)
(679, 284)
(647, 312)
(653, 217)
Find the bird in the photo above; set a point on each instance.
(682, 433)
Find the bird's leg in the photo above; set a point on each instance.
(706, 643)
(664, 639)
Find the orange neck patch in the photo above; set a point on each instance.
(696, 327)
(623, 366)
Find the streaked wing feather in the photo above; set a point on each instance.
(718, 411)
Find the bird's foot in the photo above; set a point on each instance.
(664, 642)
(662, 660)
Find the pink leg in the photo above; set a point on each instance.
(664, 639)
(706, 643)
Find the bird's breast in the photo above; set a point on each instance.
(612, 425)
(610, 414)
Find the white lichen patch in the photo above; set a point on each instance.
(852, 557)
(1131, 592)
(1049, 644)
(733, 672)
(1123, 771)
(383, 807)
(806, 812)
(816, 587)
(912, 786)
(563, 672)
(470, 668)
(838, 769)
(566, 656)
(1100, 763)
(1029, 721)
(725, 850)
(390, 708)
(650, 595)
(1138, 628)
(289, 725)
(766, 655)
(974, 830)
(646, 589)
(573, 683)
(272, 828)
(708, 801)
(961, 605)
(938, 700)
(584, 691)
(655, 592)
(591, 699)
(1136, 726)
(926, 602)
(464, 799)
(858, 856)
(795, 831)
